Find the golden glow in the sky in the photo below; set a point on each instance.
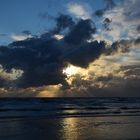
(71, 70)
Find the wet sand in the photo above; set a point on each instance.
(74, 128)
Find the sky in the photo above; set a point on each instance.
(70, 48)
(19, 15)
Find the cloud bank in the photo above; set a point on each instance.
(76, 57)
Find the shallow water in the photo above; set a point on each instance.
(71, 128)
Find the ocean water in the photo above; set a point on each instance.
(68, 107)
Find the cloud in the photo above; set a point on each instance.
(85, 54)
(124, 17)
(43, 58)
(106, 24)
(123, 21)
(63, 22)
(20, 37)
(110, 75)
(13, 74)
(58, 37)
(37, 64)
(80, 10)
(81, 32)
(42, 91)
(132, 11)
(109, 5)
(8, 78)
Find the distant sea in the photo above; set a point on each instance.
(68, 107)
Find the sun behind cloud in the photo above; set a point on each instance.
(71, 70)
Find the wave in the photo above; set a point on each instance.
(68, 107)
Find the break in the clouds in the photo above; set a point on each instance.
(79, 56)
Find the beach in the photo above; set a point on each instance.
(70, 119)
(72, 128)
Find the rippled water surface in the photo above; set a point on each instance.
(68, 107)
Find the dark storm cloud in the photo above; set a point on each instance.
(80, 32)
(84, 54)
(63, 22)
(106, 24)
(39, 58)
(109, 4)
(43, 58)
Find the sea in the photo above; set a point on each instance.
(68, 107)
